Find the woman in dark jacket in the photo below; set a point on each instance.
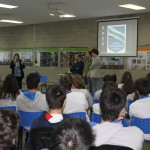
(17, 66)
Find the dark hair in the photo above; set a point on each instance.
(127, 83)
(10, 88)
(66, 81)
(16, 54)
(112, 102)
(78, 82)
(32, 80)
(148, 76)
(142, 85)
(90, 53)
(55, 96)
(72, 134)
(9, 125)
(110, 78)
(109, 84)
(95, 51)
(79, 55)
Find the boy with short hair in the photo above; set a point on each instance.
(110, 131)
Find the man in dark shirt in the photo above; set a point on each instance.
(77, 67)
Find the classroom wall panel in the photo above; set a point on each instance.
(75, 33)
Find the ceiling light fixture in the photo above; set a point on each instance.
(8, 6)
(67, 16)
(11, 21)
(132, 6)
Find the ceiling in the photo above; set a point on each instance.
(37, 11)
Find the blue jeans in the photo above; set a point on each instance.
(97, 84)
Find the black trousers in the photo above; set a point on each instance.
(19, 80)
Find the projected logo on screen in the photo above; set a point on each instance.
(116, 39)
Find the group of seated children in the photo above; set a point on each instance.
(70, 97)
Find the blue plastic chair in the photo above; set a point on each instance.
(26, 119)
(43, 80)
(9, 107)
(143, 124)
(96, 101)
(78, 114)
(96, 117)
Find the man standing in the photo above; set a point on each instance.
(77, 67)
(94, 71)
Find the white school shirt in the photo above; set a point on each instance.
(96, 108)
(75, 102)
(141, 109)
(86, 93)
(97, 94)
(115, 134)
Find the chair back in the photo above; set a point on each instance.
(96, 117)
(43, 79)
(111, 147)
(9, 107)
(78, 114)
(143, 124)
(28, 117)
(96, 101)
(40, 137)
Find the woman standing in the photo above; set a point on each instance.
(17, 66)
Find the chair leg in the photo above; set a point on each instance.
(19, 145)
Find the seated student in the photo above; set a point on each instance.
(9, 91)
(9, 125)
(126, 83)
(105, 79)
(32, 100)
(107, 85)
(75, 101)
(141, 107)
(110, 131)
(79, 86)
(55, 97)
(72, 134)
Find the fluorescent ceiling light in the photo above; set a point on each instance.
(8, 6)
(131, 6)
(67, 16)
(11, 21)
(51, 14)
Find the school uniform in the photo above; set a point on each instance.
(141, 109)
(113, 133)
(75, 102)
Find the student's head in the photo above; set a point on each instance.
(16, 56)
(126, 75)
(94, 52)
(127, 82)
(32, 80)
(72, 134)
(55, 97)
(110, 78)
(9, 125)
(109, 84)
(66, 81)
(10, 88)
(77, 57)
(112, 104)
(78, 82)
(142, 86)
(148, 76)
